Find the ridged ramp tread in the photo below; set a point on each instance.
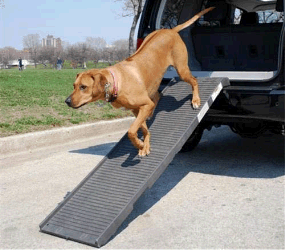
(95, 209)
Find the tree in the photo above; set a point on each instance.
(83, 53)
(77, 53)
(97, 43)
(47, 55)
(32, 43)
(108, 54)
(270, 16)
(95, 55)
(72, 54)
(7, 54)
(96, 46)
(121, 49)
(132, 8)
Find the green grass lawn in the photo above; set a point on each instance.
(33, 100)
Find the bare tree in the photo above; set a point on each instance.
(171, 14)
(78, 54)
(7, 54)
(65, 45)
(132, 8)
(108, 54)
(267, 16)
(94, 55)
(47, 55)
(120, 48)
(83, 49)
(270, 16)
(72, 54)
(32, 43)
(96, 46)
(97, 43)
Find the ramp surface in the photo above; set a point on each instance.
(95, 209)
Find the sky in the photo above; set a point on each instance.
(70, 20)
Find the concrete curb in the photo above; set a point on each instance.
(21, 143)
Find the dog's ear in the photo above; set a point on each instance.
(77, 75)
(99, 82)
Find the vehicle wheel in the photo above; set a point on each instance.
(249, 130)
(193, 140)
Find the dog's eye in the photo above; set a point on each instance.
(82, 87)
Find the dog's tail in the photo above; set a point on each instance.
(192, 20)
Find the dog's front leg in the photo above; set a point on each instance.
(142, 114)
(146, 135)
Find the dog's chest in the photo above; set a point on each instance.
(116, 105)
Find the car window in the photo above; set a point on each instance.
(204, 22)
(268, 16)
(238, 16)
(169, 13)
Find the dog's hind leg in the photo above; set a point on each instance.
(187, 77)
(155, 100)
(181, 65)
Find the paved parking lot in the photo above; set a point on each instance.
(227, 193)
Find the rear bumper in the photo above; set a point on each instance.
(244, 104)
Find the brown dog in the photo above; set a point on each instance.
(134, 82)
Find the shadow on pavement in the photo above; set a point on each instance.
(101, 149)
(220, 152)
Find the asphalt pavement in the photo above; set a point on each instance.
(227, 193)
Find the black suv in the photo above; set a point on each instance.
(242, 40)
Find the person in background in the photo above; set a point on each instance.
(59, 63)
(20, 64)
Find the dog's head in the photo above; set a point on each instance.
(88, 87)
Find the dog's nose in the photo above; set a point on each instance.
(68, 101)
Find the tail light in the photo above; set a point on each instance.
(139, 42)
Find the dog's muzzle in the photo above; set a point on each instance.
(68, 101)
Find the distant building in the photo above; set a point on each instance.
(50, 41)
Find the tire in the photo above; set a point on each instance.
(249, 130)
(193, 140)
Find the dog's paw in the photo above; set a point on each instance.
(196, 103)
(145, 151)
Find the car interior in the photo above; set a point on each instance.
(240, 39)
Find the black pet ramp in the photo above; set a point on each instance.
(95, 209)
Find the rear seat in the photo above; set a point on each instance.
(256, 46)
(214, 48)
(248, 47)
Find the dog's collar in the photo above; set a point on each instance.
(111, 96)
